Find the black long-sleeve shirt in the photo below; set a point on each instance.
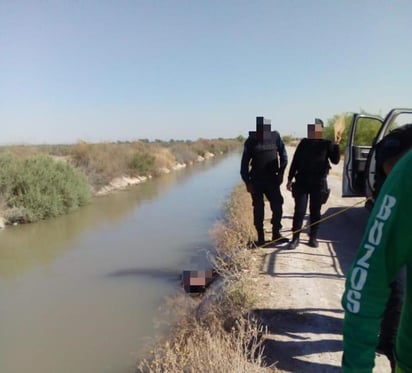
(310, 162)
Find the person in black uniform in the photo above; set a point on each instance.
(263, 163)
(310, 167)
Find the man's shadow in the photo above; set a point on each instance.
(285, 354)
(344, 229)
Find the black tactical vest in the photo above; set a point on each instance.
(264, 163)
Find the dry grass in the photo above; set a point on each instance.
(100, 162)
(213, 333)
(232, 236)
(163, 158)
(205, 344)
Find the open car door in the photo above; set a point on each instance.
(394, 119)
(363, 131)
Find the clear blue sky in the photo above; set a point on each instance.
(123, 70)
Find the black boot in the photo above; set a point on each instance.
(313, 242)
(261, 237)
(294, 243)
(278, 238)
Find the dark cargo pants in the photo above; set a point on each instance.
(272, 192)
(301, 194)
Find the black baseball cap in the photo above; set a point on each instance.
(319, 121)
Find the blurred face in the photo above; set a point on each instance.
(315, 131)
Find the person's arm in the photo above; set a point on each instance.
(244, 164)
(334, 153)
(295, 161)
(385, 248)
(283, 158)
(283, 155)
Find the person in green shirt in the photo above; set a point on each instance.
(388, 151)
(386, 249)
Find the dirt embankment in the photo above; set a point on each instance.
(299, 290)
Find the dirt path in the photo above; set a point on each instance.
(300, 290)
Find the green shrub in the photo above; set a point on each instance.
(40, 187)
(142, 163)
(9, 169)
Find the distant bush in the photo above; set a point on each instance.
(241, 139)
(188, 151)
(215, 146)
(183, 153)
(39, 187)
(164, 159)
(288, 139)
(22, 151)
(142, 163)
(8, 172)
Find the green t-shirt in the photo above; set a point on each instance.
(386, 247)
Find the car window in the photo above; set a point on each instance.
(366, 131)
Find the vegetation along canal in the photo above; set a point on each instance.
(79, 293)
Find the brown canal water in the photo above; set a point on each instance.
(81, 293)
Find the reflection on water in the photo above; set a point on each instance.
(162, 273)
(79, 293)
(26, 245)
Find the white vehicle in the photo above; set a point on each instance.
(360, 163)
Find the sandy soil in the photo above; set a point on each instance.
(300, 290)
